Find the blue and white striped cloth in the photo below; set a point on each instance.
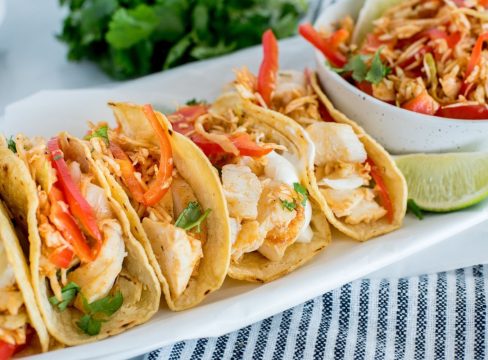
(439, 316)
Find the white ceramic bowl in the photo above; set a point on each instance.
(400, 131)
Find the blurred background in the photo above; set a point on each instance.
(78, 43)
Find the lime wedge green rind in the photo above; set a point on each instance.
(445, 182)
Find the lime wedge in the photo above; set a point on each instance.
(445, 182)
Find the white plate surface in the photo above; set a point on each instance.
(237, 304)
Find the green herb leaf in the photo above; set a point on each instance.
(356, 65)
(107, 305)
(11, 145)
(288, 205)
(129, 26)
(207, 51)
(89, 325)
(177, 52)
(68, 294)
(378, 71)
(101, 132)
(195, 101)
(414, 209)
(129, 38)
(192, 217)
(302, 191)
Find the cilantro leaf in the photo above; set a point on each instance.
(89, 325)
(288, 205)
(68, 294)
(11, 145)
(130, 38)
(356, 65)
(195, 101)
(415, 209)
(107, 305)
(302, 191)
(101, 132)
(378, 70)
(192, 217)
(129, 26)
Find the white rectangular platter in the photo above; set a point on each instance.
(237, 304)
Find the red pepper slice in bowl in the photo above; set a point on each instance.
(333, 55)
(423, 104)
(464, 112)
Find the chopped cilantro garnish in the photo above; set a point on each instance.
(107, 305)
(288, 205)
(89, 325)
(68, 294)
(194, 101)
(191, 217)
(378, 70)
(11, 144)
(415, 209)
(302, 191)
(101, 132)
(91, 322)
(357, 66)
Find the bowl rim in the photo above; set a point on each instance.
(321, 62)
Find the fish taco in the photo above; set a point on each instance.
(275, 220)
(91, 278)
(361, 190)
(172, 196)
(21, 327)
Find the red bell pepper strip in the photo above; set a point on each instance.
(61, 257)
(476, 54)
(242, 141)
(435, 34)
(365, 86)
(183, 122)
(183, 119)
(338, 37)
(79, 207)
(247, 147)
(160, 186)
(423, 104)
(465, 112)
(333, 55)
(380, 185)
(127, 172)
(6, 350)
(269, 67)
(66, 225)
(373, 43)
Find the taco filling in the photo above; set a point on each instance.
(82, 244)
(268, 207)
(14, 327)
(164, 202)
(347, 178)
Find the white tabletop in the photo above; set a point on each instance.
(31, 59)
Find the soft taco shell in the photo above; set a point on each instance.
(284, 131)
(11, 249)
(392, 177)
(19, 192)
(198, 172)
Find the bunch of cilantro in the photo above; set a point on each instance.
(131, 38)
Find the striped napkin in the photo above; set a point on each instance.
(438, 316)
